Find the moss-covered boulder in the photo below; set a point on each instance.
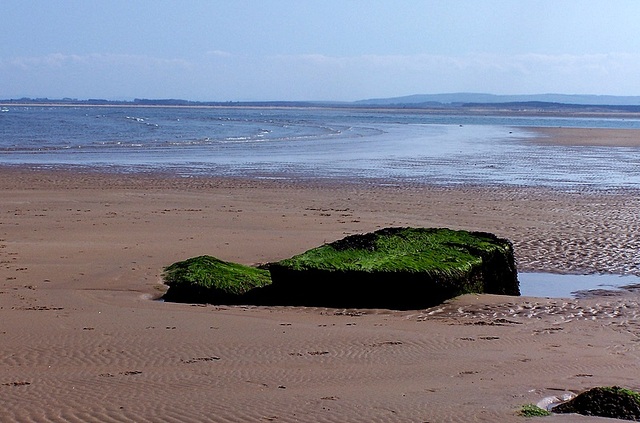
(613, 402)
(396, 268)
(206, 279)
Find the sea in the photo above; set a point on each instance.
(374, 146)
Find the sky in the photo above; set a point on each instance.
(321, 50)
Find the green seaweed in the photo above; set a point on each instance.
(211, 273)
(532, 410)
(617, 390)
(432, 251)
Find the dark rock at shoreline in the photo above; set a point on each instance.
(613, 402)
(396, 268)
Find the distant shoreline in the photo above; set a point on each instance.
(498, 109)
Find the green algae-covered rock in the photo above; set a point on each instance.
(397, 268)
(394, 268)
(206, 279)
(614, 402)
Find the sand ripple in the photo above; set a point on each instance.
(79, 340)
(622, 310)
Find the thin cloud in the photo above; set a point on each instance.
(59, 60)
(218, 53)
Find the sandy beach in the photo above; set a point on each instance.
(588, 137)
(82, 338)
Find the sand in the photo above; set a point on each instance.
(595, 137)
(82, 339)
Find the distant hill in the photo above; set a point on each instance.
(458, 99)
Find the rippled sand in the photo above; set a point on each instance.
(81, 339)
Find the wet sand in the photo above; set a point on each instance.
(82, 340)
(588, 137)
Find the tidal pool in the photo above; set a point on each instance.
(572, 286)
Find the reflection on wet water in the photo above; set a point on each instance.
(339, 144)
(554, 285)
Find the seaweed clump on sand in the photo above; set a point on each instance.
(613, 402)
(532, 410)
(397, 268)
(206, 279)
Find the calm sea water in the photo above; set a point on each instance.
(571, 285)
(390, 146)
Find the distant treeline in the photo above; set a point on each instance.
(103, 102)
(461, 107)
(158, 102)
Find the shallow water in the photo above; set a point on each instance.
(312, 143)
(554, 285)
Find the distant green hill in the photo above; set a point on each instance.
(482, 98)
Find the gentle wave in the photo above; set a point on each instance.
(315, 143)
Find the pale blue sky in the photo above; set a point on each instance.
(316, 50)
